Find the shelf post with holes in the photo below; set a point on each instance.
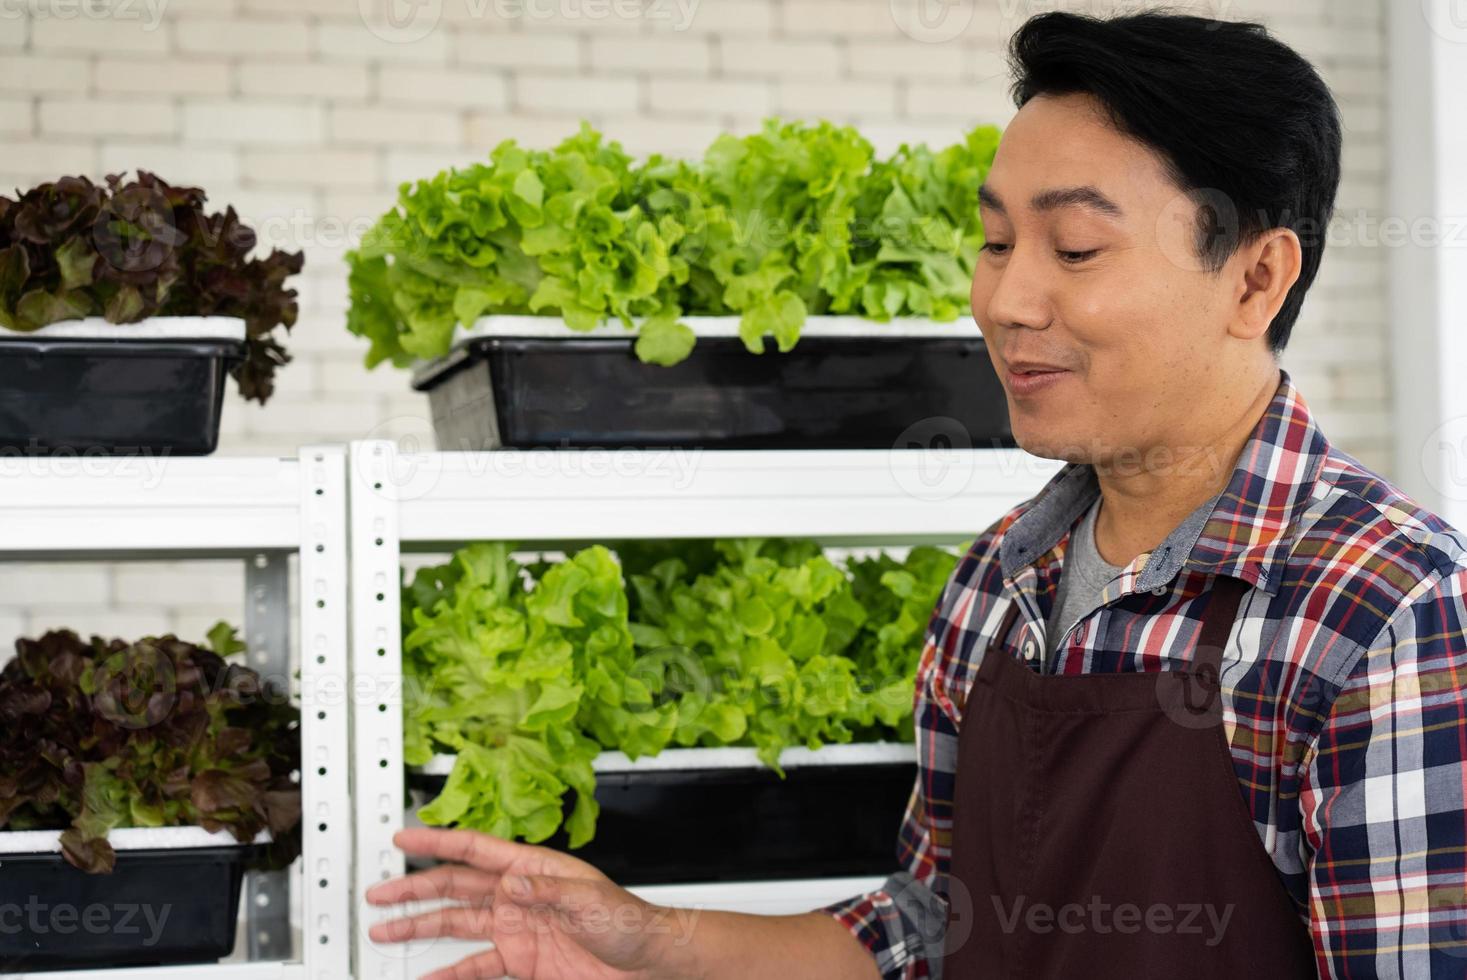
(259, 511)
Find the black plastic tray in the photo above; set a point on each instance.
(696, 825)
(192, 895)
(67, 396)
(826, 393)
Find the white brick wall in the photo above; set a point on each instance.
(306, 118)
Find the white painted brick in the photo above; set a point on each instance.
(887, 137)
(13, 626)
(111, 36)
(467, 88)
(49, 159)
(827, 18)
(193, 165)
(13, 34)
(563, 93)
(40, 582)
(414, 165)
(202, 8)
(1353, 384)
(333, 81)
(179, 583)
(518, 50)
(725, 17)
(346, 374)
(623, 17)
(62, 116)
(823, 98)
(910, 59)
(665, 55)
(1356, 12)
(354, 41)
(252, 122)
(984, 102)
(1352, 81)
(338, 418)
(541, 130)
(236, 36)
(1362, 119)
(16, 117)
(641, 136)
(386, 127)
(88, 621)
(193, 624)
(742, 57)
(314, 8)
(154, 77)
(314, 333)
(748, 98)
(1360, 156)
(315, 167)
(354, 211)
(31, 73)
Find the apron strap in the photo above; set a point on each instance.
(1217, 622)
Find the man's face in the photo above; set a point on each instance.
(1107, 289)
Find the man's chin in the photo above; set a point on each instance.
(1047, 447)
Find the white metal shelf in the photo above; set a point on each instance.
(95, 508)
(840, 497)
(727, 757)
(147, 506)
(434, 502)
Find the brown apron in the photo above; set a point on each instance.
(1099, 830)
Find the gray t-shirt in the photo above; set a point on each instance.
(1083, 579)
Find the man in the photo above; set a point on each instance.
(1197, 708)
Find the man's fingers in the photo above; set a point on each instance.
(452, 881)
(457, 923)
(483, 851)
(486, 964)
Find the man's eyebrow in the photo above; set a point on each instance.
(1085, 196)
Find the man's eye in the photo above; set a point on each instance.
(1076, 257)
(994, 247)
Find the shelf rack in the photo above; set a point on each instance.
(260, 510)
(562, 499)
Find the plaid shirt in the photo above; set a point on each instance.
(1343, 689)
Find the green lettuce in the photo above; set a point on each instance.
(793, 220)
(527, 672)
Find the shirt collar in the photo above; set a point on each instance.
(1245, 531)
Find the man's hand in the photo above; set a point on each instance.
(549, 915)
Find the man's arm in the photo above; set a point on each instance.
(1383, 801)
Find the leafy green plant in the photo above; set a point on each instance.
(131, 250)
(793, 220)
(527, 672)
(156, 733)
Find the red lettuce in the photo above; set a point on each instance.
(127, 251)
(157, 733)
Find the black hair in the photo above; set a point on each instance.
(1242, 121)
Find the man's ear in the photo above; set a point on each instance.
(1270, 266)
